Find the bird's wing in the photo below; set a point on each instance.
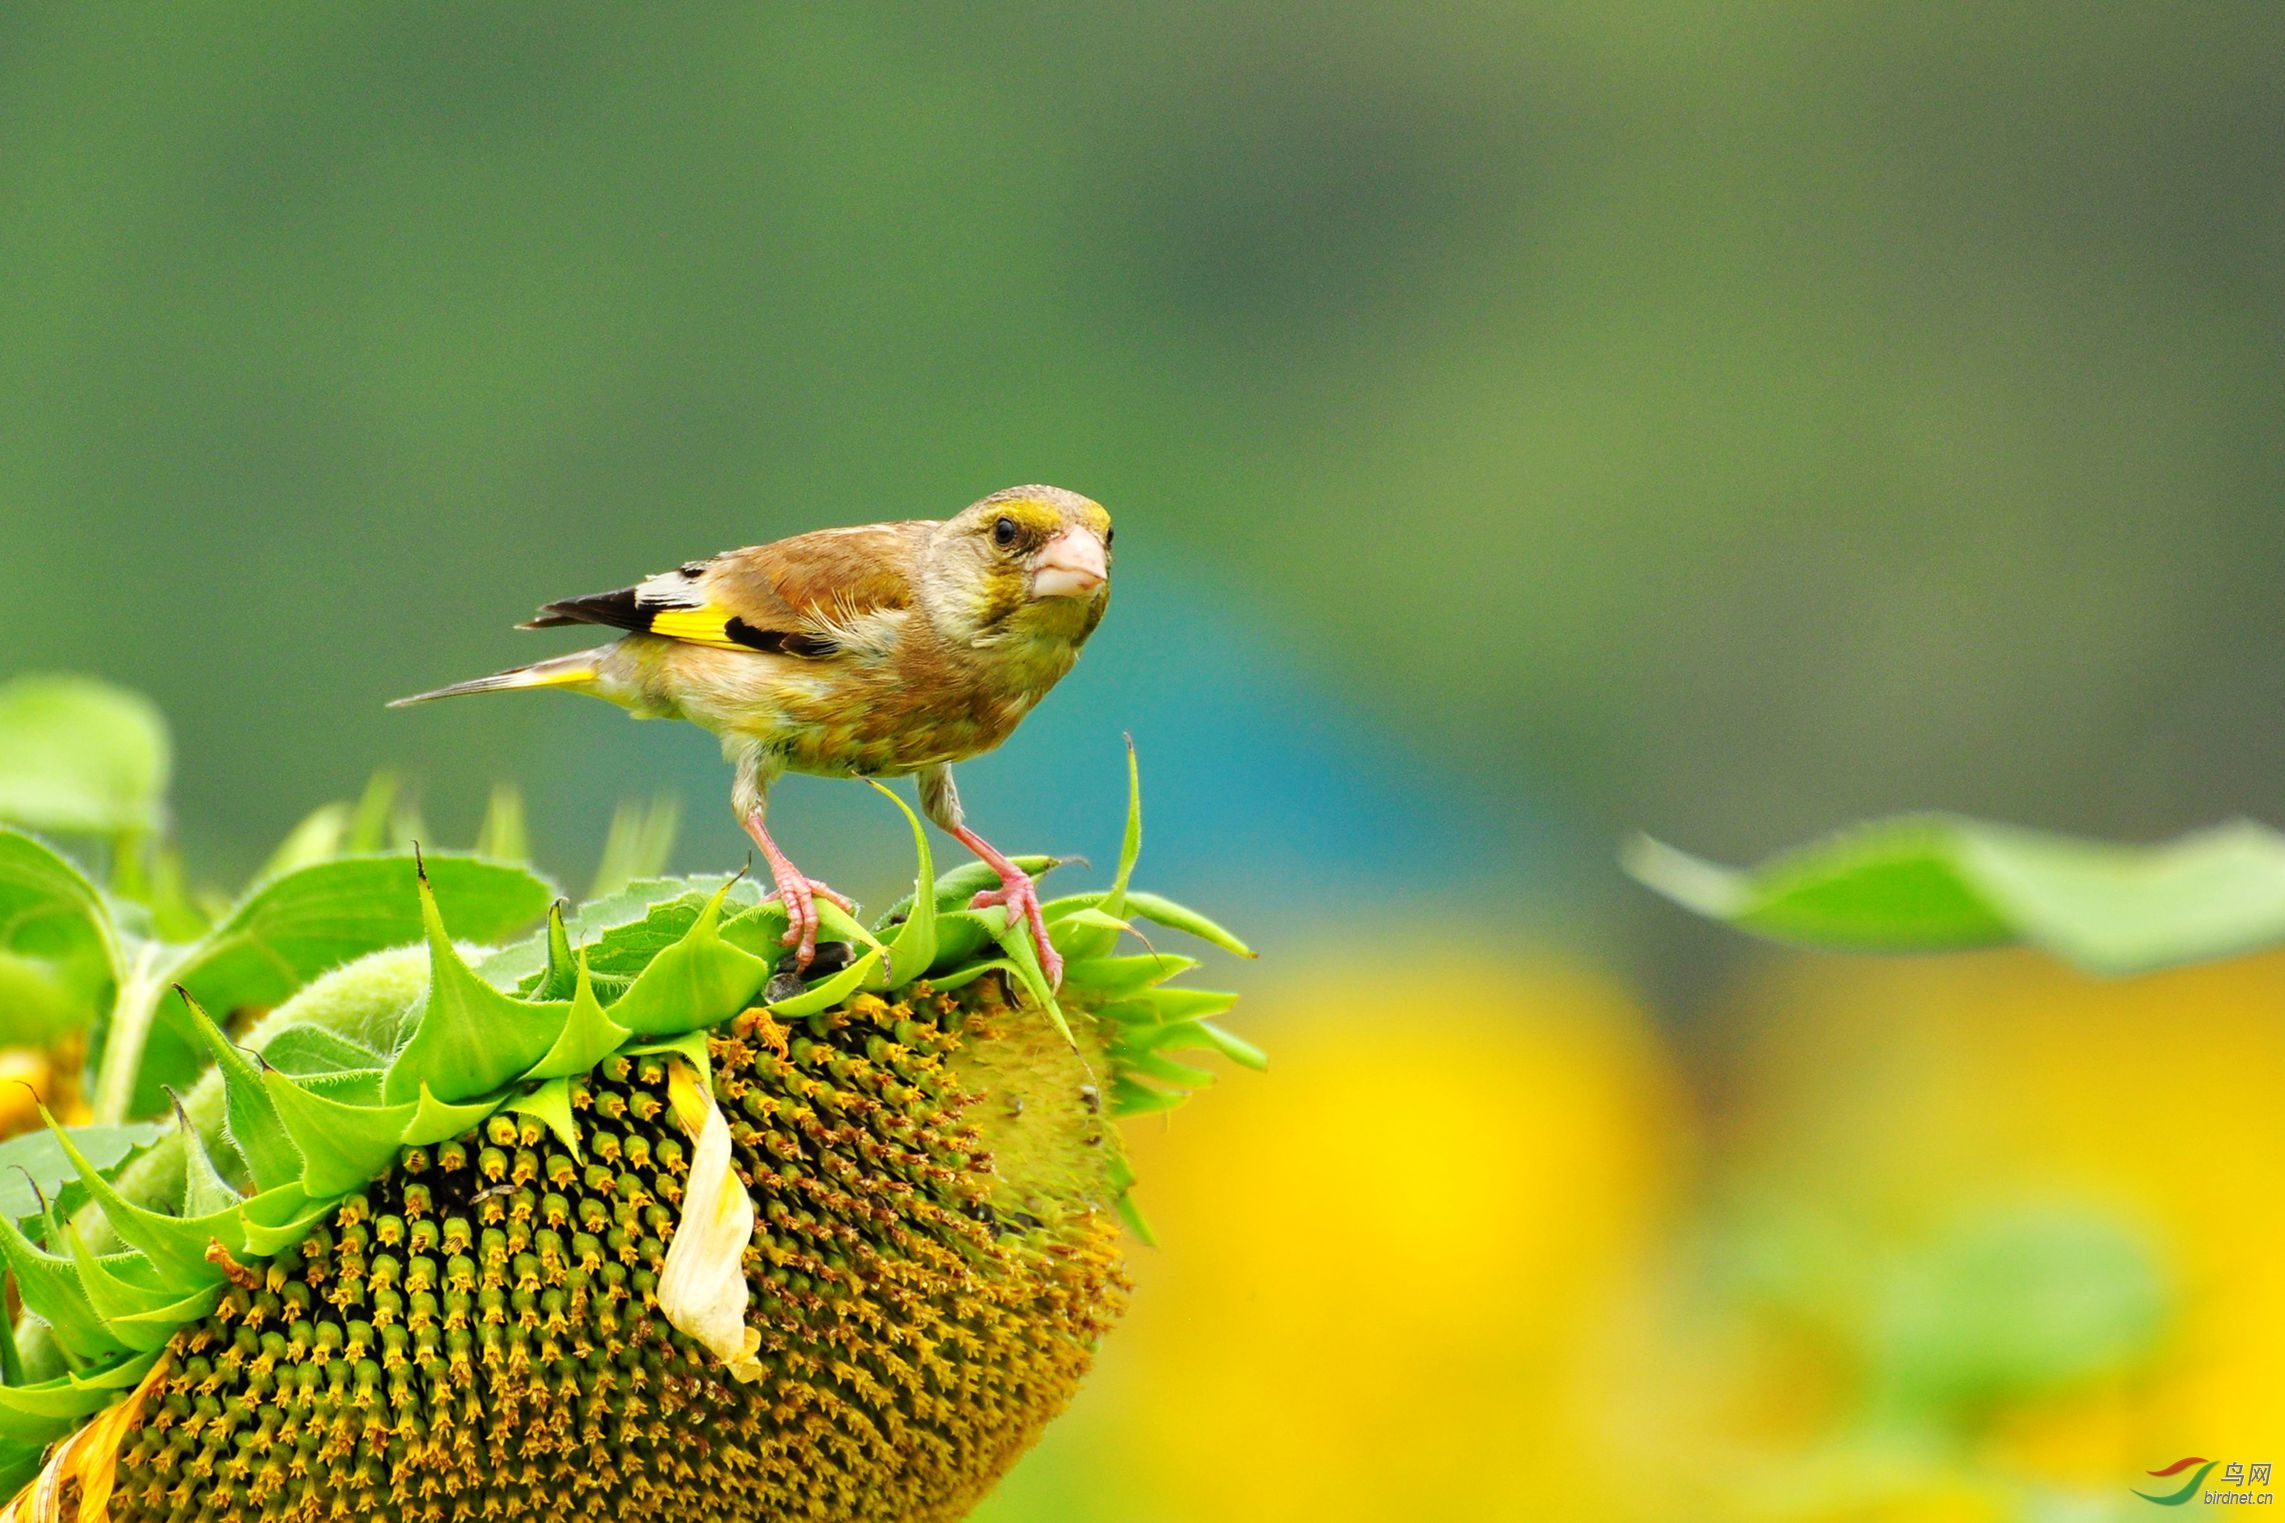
(813, 595)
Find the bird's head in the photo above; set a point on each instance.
(1031, 562)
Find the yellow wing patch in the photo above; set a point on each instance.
(704, 625)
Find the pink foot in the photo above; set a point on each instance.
(801, 895)
(1017, 892)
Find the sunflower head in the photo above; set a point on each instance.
(596, 1224)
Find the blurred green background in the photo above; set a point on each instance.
(1524, 423)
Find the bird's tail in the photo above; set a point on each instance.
(574, 670)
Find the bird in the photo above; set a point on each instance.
(872, 651)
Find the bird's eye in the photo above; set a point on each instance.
(1108, 536)
(1004, 532)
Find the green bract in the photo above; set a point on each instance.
(383, 1033)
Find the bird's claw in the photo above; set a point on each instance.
(1021, 897)
(801, 895)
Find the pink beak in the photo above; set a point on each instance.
(1071, 565)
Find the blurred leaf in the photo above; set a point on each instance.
(638, 846)
(2013, 1306)
(41, 1157)
(368, 828)
(81, 755)
(1937, 882)
(150, 874)
(58, 965)
(504, 837)
(316, 839)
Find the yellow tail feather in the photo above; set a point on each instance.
(563, 671)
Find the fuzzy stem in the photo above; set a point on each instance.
(132, 1013)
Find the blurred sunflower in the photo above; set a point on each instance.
(1391, 1274)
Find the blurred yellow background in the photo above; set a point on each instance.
(1525, 425)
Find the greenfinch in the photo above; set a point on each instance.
(885, 650)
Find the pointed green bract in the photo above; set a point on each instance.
(698, 981)
(915, 947)
(563, 969)
(1122, 977)
(277, 1219)
(115, 1292)
(551, 1104)
(1015, 940)
(1178, 917)
(436, 1120)
(828, 992)
(471, 1038)
(250, 1121)
(589, 1035)
(49, 1286)
(204, 1191)
(59, 1401)
(343, 1144)
(1130, 841)
(175, 1246)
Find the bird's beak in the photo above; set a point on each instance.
(1071, 565)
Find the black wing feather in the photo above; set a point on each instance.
(618, 609)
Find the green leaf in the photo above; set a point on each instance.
(36, 1164)
(1938, 882)
(290, 930)
(470, 1038)
(58, 954)
(83, 756)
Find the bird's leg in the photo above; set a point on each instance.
(748, 794)
(799, 892)
(940, 801)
